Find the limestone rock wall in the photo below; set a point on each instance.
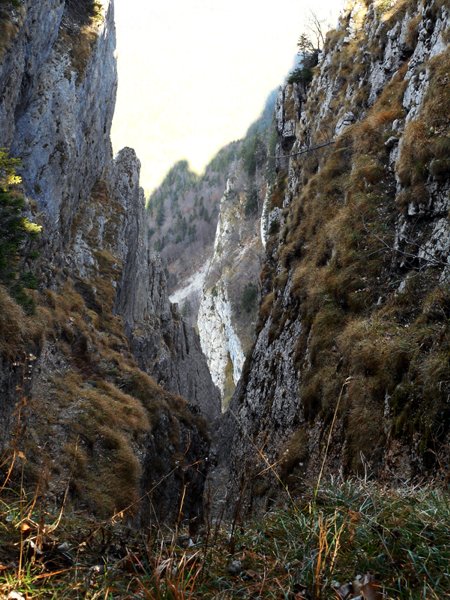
(58, 120)
(59, 125)
(230, 297)
(218, 290)
(340, 379)
(103, 323)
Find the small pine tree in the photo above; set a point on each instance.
(17, 233)
(249, 297)
(308, 50)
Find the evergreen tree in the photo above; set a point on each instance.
(17, 233)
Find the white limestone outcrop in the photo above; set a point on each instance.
(225, 327)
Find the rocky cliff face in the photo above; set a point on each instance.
(77, 398)
(350, 369)
(59, 81)
(215, 280)
(230, 295)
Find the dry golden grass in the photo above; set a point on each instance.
(416, 194)
(412, 33)
(116, 409)
(336, 250)
(333, 37)
(335, 165)
(9, 27)
(436, 109)
(300, 279)
(294, 451)
(426, 142)
(367, 171)
(81, 37)
(104, 425)
(345, 65)
(95, 406)
(8, 31)
(391, 14)
(78, 460)
(277, 197)
(281, 279)
(290, 251)
(266, 305)
(81, 51)
(436, 305)
(364, 422)
(437, 6)
(290, 112)
(368, 134)
(415, 152)
(12, 325)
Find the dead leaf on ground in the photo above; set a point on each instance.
(370, 589)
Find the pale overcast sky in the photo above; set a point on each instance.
(194, 74)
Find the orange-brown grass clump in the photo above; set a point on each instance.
(11, 16)
(12, 325)
(92, 409)
(426, 143)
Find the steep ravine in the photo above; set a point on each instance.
(328, 471)
(77, 395)
(104, 389)
(350, 370)
(208, 231)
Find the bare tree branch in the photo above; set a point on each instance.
(431, 259)
(316, 26)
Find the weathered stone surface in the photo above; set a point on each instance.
(226, 324)
(38, 24)
(59, 125)
(163, 344)
(267, 414)
(221, 296)
(56, 108)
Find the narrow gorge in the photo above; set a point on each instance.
(218, 352)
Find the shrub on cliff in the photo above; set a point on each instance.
(309, 45)
(17, 233)
(249, 297)
(304, 72)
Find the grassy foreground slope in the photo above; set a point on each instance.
(346, 540)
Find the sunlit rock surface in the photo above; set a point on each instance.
(104, 323)
(340, 379)
(225, 322)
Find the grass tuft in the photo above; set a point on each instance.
(378, 542)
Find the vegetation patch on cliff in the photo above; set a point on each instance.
(11, 14)
(17, 234)
(363, 293)
(83, 396)
(79, 31)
